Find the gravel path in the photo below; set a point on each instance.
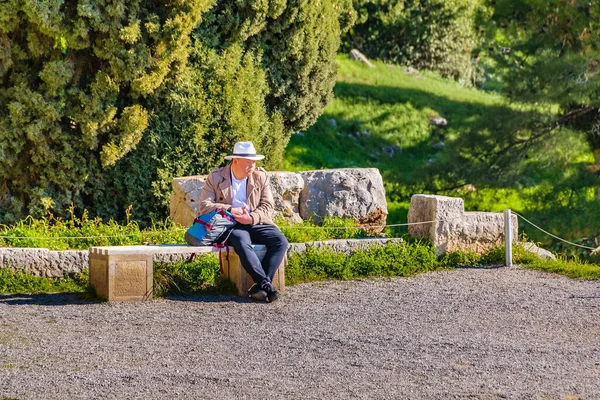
(468, 333)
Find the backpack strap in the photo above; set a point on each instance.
(228, 263)
(206, 224)
(224, 214)
(220, 247)
(221, 263)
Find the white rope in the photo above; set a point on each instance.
(183, 229)
(285, 227)
(356, 227)
(91, 237)
(68, 237)
(554, 236)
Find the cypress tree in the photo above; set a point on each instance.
(103, 102)
(73, 79)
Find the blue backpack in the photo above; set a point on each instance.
(210, 229)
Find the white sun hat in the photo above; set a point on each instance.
(244, 150)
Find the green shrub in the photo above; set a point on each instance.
(101, 105)
(20, 282)
(403, 259)
(314, 265)
(81, 233)
(74, 78)
(495, 256)
(330, 228)
(298, 42)
(437, 35)
(185, 278)
(460, 259)
(398, 259)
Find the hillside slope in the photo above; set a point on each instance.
(381, 117)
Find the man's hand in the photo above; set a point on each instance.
(241, 215)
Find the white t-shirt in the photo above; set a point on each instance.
(239, 197)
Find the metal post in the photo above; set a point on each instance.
(508, 237)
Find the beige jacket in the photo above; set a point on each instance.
(217, 193)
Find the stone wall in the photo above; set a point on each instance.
(346, 246)
(452, 228)
(50, 263)
(349, 193)
(356, 193)
(44, 262)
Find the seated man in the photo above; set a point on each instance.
(244, 190)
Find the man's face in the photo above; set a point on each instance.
(243, 167)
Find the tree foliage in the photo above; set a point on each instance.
(548, 52)
(430, 34)
(103, 102)
(544, 55)
(74, 77)
(296, 41)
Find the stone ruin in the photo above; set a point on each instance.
(356, 193)
(452, 228)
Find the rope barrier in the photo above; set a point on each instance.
(91, 237)
(69, 237)
(554, 236)
(357, 227)
(283, 227)
(183, 229)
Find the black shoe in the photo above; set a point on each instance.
(273, 296)
(256, 293)
(272, 293)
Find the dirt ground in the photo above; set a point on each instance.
(465, 333)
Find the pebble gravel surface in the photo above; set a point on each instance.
(497, 333)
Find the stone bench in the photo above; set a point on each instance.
(125, 273)
(233, 270)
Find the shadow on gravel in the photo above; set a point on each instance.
(62, 299)
(46, 299)
(479, 266)
(212, 298)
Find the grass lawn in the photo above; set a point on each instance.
(380, 118)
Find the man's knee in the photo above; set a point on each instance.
(280, 242)
(238, 237)
(283, 242)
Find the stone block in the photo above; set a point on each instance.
(543, 254)
(286, 188)
(121, 277)
(185, 197)
(345, 246)
(31, 260)
(424, 208)
(124, 273)
(233, 270)
(444, 222)
(355, 193)
(66, 262)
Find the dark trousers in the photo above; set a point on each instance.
(241, 239)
